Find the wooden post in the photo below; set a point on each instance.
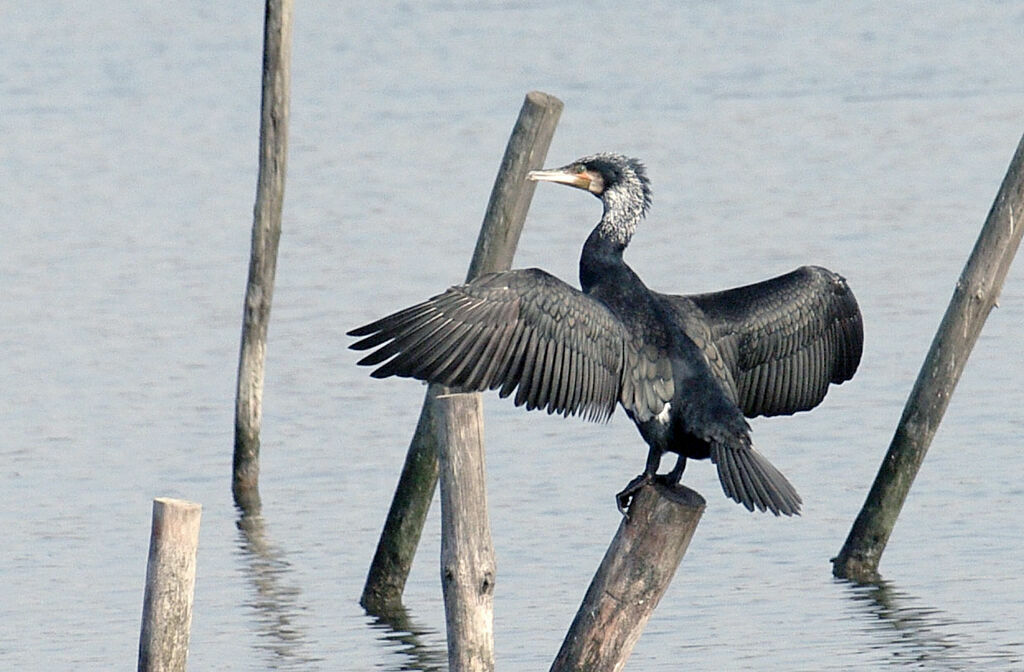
(170, 586)
(266, 232)
(635, 572)
(976, 293)
(512, 192)
(382, 594)
(506, 212)
(467, 554)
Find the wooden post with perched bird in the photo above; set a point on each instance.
(629, 583)
(687, 369)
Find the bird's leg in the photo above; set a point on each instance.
(625, 497)
(673, 477)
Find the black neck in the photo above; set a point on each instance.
(600, 259)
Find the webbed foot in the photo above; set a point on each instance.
(625, 497)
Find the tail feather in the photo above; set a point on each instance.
(749, 478)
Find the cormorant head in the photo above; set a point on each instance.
(610, 177)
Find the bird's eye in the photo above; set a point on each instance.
(579, 168)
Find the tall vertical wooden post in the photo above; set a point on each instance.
(495, 247)
(468, 566)
(976, 293)
(170, 586)
(266, 232)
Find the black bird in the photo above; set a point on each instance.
(686, 369)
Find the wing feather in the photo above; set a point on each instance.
(541, 377)
(508, 371)
(782, 341)
(523, 331)
(526, 378)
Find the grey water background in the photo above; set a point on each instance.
(867, 137)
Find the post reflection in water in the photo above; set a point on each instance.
(400, 633)
(916, 635)
(275, 603)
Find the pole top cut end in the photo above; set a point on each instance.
(682, 495)
(170, 502)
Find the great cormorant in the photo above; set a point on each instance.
(686, 369)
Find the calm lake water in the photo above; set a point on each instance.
(870, 138)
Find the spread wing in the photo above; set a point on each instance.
(524, 331)
(782, 341)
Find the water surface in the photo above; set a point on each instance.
(867, 138)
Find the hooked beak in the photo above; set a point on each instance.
(561, 176)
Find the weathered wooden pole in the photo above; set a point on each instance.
(382, 593)
(170, 586)
(467, 554)
(636, 571)
(266, 232)
(503, 222)
(512, 193)
(976, 293)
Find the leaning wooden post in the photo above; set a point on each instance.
(512, 193)
(467, 554)
(976, 293)
(266, 232)
(382, 593)
(636, 571)
(170, 585)
(495, 247)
